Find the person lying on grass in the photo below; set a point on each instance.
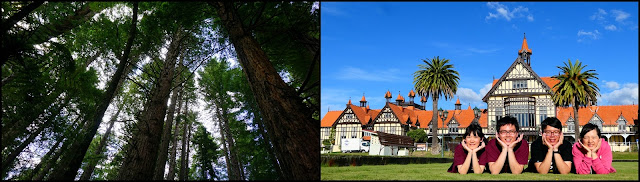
(550, 152)
(469, 154)
(508, 153)
(592, 154)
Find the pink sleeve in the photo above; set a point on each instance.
(582, 163)
(602, 164)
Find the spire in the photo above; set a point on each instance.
(349, 103)
(411, 96)
(458, 105)
(387, 95)
(363, 101)
(400, 97)
(525, 52)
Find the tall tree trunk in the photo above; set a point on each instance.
(93, 162)
(139, 162)
(576, 122)
(233, 154)
(183, 152)
(186, 166)
(288, 120)
(172, 159)
(435, 148)
(267, 145)
(69, 165)
(166, 133)
(223, 142)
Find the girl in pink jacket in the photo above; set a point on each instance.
(592, 154)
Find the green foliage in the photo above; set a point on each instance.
(207, 153)
(435, 78)
(575, 87)
(418, 135)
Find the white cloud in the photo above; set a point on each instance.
(482, 51)
(469, 96)
(593, 35)
(331, 10)
(351, 73)
(620, 15)
(612, 85)
(599, 15)
(626, 95)
(502, 11)
(610, 27)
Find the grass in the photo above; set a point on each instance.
(438, 171)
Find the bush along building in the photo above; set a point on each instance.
(520, 93)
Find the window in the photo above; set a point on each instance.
(326, 132)
(543, 113)
(519, 84)
(393, 130)
(570, 126)
(354, 133)
(621, 125)
(523, 109)
(498, 113)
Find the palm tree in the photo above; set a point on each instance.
(575, 89)
(436, 78)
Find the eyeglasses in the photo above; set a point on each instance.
(554, 133)
(512, 132)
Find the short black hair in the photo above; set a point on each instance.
(587, 128)
(507, 120)
(474, 127)
(551, 121)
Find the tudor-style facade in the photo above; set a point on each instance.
(520, 92)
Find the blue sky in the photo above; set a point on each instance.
(372, 47)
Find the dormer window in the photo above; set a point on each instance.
(622, 125)
(570, 126)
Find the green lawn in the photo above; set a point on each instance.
(438, 171)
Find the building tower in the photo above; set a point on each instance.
(363, 102)
(525, 53)
(387, 95)
(400, 99)
(458, 105)
(411, 96)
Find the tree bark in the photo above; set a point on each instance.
(233, 154)
(166, 133)
(172, 159)
(223, 142)
(69, 165)
(183, 150)
(140, 160)
(435, 148)
(576, 122)
(267, 145)
(93, 162)
(289, 121)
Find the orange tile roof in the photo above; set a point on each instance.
(423, 99)
(608, 114)
(458, 101)
(361, 114)
(330, 118)
(412, 94)
(525, 47)
(363, 100)
(349, 103)
(400, 97)
(366, 138)
(387, 95)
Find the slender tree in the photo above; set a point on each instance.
(435, 78)
(575, 89)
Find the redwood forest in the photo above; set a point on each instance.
(160, 90)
